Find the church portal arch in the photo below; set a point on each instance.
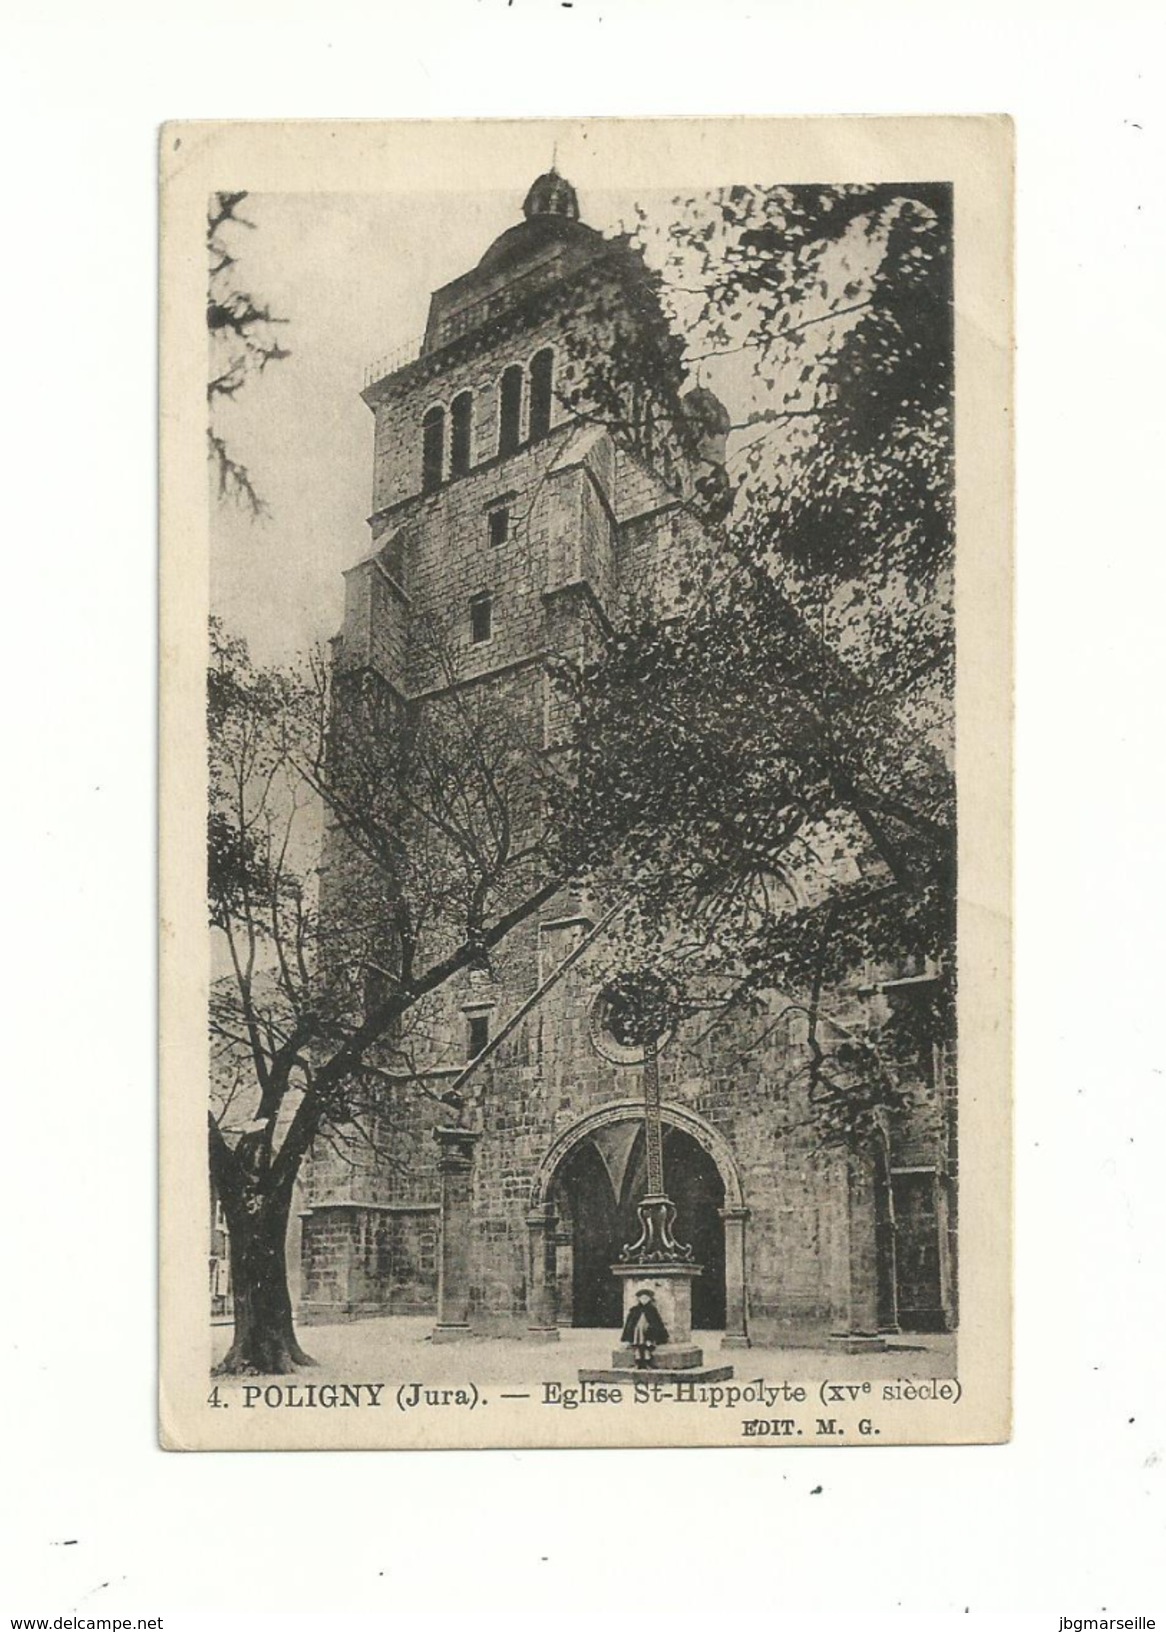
(632, 1110)
(588, 1184)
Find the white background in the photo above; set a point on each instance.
(1068, 1520)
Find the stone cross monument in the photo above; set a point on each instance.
(656, 1261)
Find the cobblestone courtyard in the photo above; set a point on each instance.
(397, 1349)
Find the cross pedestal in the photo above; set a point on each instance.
(678, 1360)
(671, 1288)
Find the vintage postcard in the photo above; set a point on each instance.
(585, 783)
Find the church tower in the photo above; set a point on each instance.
(492, 496)
(529, 480)
(507, 523)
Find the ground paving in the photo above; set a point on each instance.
(398, 1349)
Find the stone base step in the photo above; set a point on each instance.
(666, 1357)
(653, 1374)
(858, 1342)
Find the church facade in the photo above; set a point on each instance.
(520, 525)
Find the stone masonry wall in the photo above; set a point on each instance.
(549, 1076)
(369, 1261)
(476, 366)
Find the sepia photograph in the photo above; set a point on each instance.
(586, 973)
(583, 890)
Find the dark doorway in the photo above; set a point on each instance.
(589, 1205)
(917, 1260)
(600, 1227)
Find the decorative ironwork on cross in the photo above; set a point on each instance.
(657, 1212)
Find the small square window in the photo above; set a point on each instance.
(498, 523)
(481, 617)
(479, 1034)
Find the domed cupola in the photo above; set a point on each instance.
(551, 194)
(549, 244)
(550, 217)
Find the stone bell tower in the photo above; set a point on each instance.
(494, 503)
(506, 514)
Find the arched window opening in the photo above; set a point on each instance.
(510, 411)
(542, 368)
(462, 415)
(432, 449)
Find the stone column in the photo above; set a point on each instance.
(542, 1280)
(565, 1276)
(861, 1298)
(736, 1303)
(456, 1166)
(885, 1250)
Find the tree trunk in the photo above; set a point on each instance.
(265, 1340)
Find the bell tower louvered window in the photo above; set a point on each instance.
(542, 368)
(462, 416)
(432, 449)
(510, 411)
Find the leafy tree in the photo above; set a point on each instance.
(315, 1015)
(795, 713)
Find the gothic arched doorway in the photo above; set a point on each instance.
(595, 1190)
